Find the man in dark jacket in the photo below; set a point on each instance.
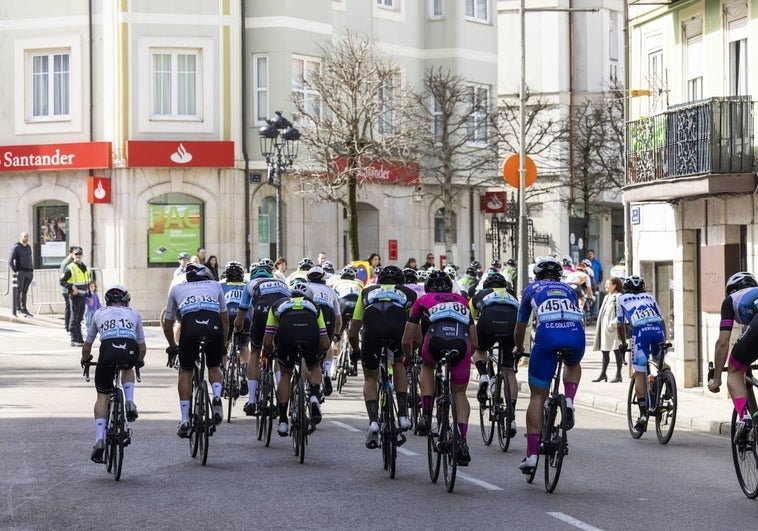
(20, 261)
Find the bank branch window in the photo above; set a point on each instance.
(175, 225)
(51, 238)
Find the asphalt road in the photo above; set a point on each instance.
(609, 481)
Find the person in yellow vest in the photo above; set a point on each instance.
(75, 279)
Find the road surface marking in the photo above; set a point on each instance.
(406, 452)
(348, 427)
(573, 521)
(479, 482)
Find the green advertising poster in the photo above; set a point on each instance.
(173, 229)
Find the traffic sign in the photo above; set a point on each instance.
(510, 171)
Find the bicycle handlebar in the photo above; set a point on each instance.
(88, 364)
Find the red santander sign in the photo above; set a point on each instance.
(178, 153)
(75, 156)
(385, 171)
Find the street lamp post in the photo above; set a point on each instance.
(279, 143)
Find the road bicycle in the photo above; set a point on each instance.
(443, 440)
(745, 448)
(343, 364)
(412, 374)
(265, 398)
(202, 426)
(660, 396)
(390, 435)
(232, 377)
(301, 424)
(553, 437)
(497, 413)
(118, 435)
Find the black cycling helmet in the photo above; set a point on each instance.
(117, 294)
(476, 265)
(233, 272)
(328, 266)
(495, 280)
(471, 271)
(634, 284)
(740, 281)
(496, 264)
(548, 267)
(438, 281)
(349, 272)
(511, 262)
(305, 264)
(316, 274)
(410, 275)
(390, 275)
(197, 272)
(267, 264)
(301, 290)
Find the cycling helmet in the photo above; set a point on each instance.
(117, 294)
(476, 265)
(328, 266)
(634, 284)
(298, 281)
(422, 274)
(233, 272)
(410, 275)
(438, 281)
(301, 290)
(496, 264)
(511, 262)
(567, 261)
(740, 281)
(471, 271)
(587, 262)
(495, 280)
(197, 272)
(582, 266)
(451, 270)
(305, 264)
(349, 272)
(390, 275)
(547, 267)
(316, 274)
(267, 264)
(261, 272)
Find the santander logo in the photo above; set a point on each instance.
(99, 192)
(181, 155)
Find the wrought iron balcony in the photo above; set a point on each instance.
(703, 138)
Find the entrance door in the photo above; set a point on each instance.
(664, 294)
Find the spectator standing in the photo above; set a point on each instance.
(429, 262)
(76, 279)
(411, 263)
(20, 261)
(212, 265)
(606, 336)
(92, 304)
(597, 269)
(321, 259)
(374, 263)
(280, 269)
(184, 259)
(64, 289)
(201, 255)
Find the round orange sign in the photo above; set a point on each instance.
(510, 171)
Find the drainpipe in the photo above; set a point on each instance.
(243, 70)
(571, 105)
(91, 127)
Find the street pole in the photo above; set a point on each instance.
(522, 221)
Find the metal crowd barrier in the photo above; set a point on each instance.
(45, 290)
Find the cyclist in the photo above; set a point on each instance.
(739, 306)
(382, 311)
(644, 316)
(302, 270)
(494, 309)
(468, 282)
(233, 284)
(122, 339)
(580, 281)
(510, 271)
(201, 304)
(348, 289)
(299, 320)
(558, 325)
(411, 280)
(327, 300)
(260, 293)
(442, 320)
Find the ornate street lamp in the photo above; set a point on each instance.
(279, 143)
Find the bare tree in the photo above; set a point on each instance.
(456, 147)
(356, 117)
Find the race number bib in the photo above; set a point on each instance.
(558, 310)
(449, 310)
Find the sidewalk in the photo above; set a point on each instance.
(699, 409)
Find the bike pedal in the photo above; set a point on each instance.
(211, 430)
(311, 429)
(401, 440)
(528, 471)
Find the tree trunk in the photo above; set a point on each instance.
(352, 217)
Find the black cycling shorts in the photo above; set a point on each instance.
(195, 325)
(496, 325)
(113, 351)
(298, 328)
(381, 322)
(745, 350)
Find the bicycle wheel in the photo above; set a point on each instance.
(452, 435)
(115, 437)
(488, 415)
(433, 455)
(389, 441)
(231, 386)
(745, 457)
(556, 443)
(414, 396)
(262, 414)
(665, 414)
(504, 412)
(303, 420)
(632, 411)
(204, 426)
(295, 406)
(343, 361)
(195, 407)
(269, 406)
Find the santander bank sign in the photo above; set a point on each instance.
(74, 156)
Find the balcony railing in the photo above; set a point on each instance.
(713, 136)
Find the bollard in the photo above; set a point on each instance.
(15, 293)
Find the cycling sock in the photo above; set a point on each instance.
(481, 367)
(570, 388)
(402, 404)
(283, 412)
(184, 407)
(217, 387)
(569, 403)
(99, 429)
(252, 387)
(327, 366)
(314, 390)
(532, 443)
(129, 391)
(463, 428)
(372, 408)
(513, 404)
(643, 407)
(739, 405)
(426, 404)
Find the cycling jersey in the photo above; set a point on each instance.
(300, 321)
(233, 293)
(261, 293)
(643, 314)
(326, 298)
(346, 286)
(495, 311)
(558, 324)
(740, 307)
